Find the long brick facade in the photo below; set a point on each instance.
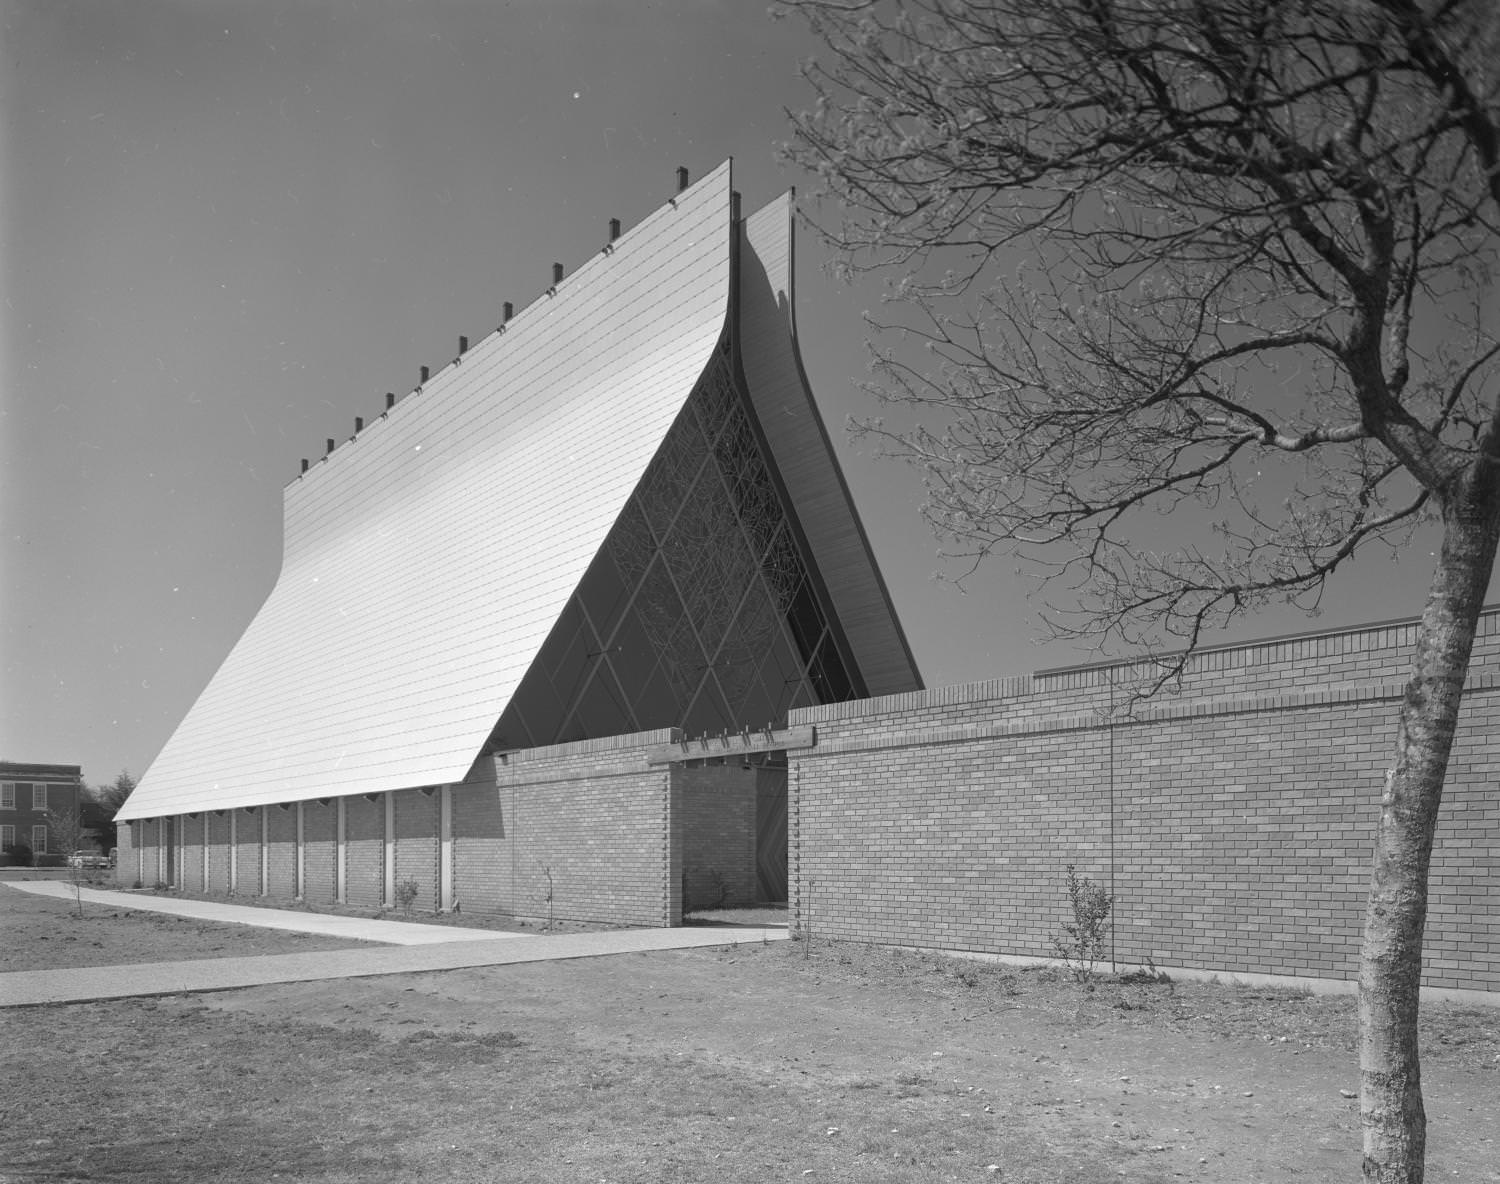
(586, 831)
(1233, 819)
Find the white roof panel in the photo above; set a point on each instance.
(426, 560)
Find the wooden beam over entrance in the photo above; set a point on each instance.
(731, 744)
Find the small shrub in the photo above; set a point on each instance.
(1081, 943)
(406, 895)
(1147, 974)
(19, 854)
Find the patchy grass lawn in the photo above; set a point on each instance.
(749, 1063)
(43, 933)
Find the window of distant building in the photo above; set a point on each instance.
(7, 837)
(39, 840)
(39, 796)
(8, 795)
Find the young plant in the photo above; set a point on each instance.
(807, 924)
(406, 895)
(1082, 941)
(67, 834)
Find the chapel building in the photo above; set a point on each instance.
(618, 515)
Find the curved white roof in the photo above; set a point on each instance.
(426, 560)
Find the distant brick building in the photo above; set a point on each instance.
(27, 793)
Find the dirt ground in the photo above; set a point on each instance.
(755, 1063)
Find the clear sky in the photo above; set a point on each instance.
(229, 226)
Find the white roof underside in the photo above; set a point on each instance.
(804, 455)
(426, 560)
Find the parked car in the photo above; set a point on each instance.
(88, 859)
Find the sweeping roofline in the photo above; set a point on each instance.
(524, 479)
(511, 324)
(637, 323)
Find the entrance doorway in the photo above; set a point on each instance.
(771, 832)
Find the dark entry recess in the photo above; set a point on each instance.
(771, 833)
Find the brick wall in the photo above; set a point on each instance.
(145, 851)
(1233, 819)
(716, 808)
(190, 875)
(417, 846)
(365, 850)
(320, 848)
(127, 855)
(38, 791)
(218, 850)
(247, 878)
(153, 858)
(281, 855)
(485, 853)
(599, 819)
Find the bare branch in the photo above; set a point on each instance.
(1193, 305)
(1165, 258)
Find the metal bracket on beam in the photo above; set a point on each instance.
(747, 742)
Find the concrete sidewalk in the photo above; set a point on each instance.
(399, 933)
(78, 985)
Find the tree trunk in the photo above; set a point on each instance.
(1390, 971)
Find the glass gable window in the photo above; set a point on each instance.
(699, 611)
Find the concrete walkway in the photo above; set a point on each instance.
(78, 985)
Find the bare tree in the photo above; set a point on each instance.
(1227, 260)
(71, 839)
